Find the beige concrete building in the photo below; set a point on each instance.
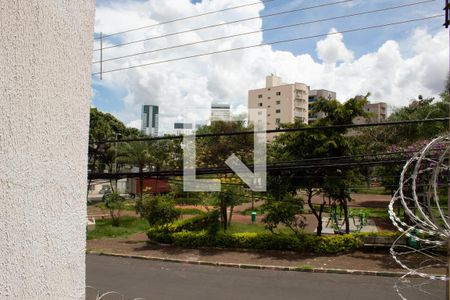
(284, 103)
(314, 96)
(377, 111)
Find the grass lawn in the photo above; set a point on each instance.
(258, 228)
(370, 212)
(128, 226)
(239, 227)
(189, 211)
(371, 191)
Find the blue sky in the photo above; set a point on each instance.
(123, 93)
(360, 42)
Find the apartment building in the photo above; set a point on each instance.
(220, 112)
(314, 96)
(284, 103)
(377, 113)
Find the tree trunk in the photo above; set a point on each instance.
(112, 186)
(231, 215)
(141, 183)
(320, 223)
(314, 211)
(347, 221)
(223, 210)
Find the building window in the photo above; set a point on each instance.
(268, 98)
(277, 121)
(278, 111)
(278, 93)
(260, 104)
(259, 96)
(278, 102)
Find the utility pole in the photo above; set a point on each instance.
(115, 160)
(447, 289)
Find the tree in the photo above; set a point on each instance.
(105, 127)
(213, 152)
(157, 209)
(114, 203)
(137, 154)
(379, 138)
(287, 212)
(319, 145)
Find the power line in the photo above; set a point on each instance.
(228, 23)
(309, 128)
(271, 43)
(224, 170)
(189, 17)
(264, 30)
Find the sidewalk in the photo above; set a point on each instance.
(362, 262)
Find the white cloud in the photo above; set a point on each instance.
(332, 49)
(387, 73)
(134, 124)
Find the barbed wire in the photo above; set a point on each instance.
(426, 224)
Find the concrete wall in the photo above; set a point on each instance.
(45, 62)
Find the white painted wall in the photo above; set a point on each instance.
(45, 61)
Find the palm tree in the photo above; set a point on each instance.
(137, 154)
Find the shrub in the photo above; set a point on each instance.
(336, 244)
(260, 241)
(114, 203)
(286, 212)
(208, 222)
(157, 210)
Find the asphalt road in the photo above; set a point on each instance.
(137, 278)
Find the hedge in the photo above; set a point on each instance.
(260, 241)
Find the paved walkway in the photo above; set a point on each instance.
(136, 245)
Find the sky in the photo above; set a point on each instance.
(394, 63)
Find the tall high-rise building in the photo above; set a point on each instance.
(314, 96)
(220, 112)
(284, 103)
(150, 120)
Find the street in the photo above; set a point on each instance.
(135, 278)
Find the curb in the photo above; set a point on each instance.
(253, 266)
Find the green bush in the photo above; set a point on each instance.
(114, 203)
(260, 241)
(157, 210)
(336, 244)
(208, 222)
